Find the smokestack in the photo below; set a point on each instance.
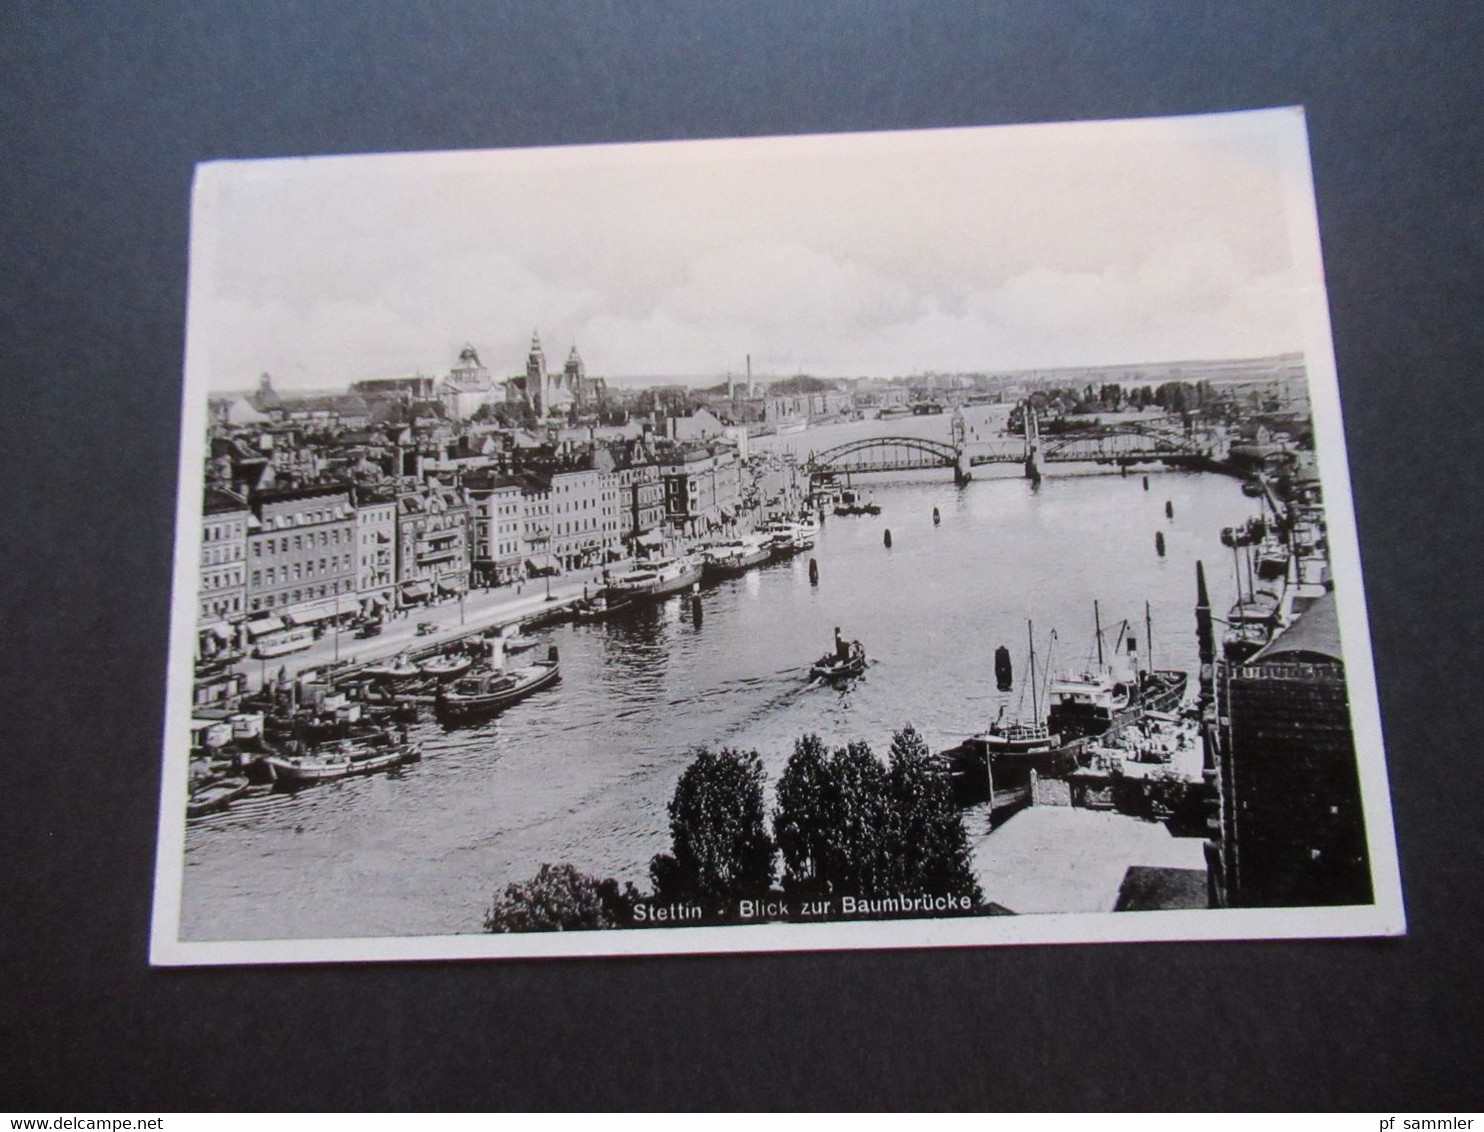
(751, 392)
(1204, 634)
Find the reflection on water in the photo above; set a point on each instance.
(583, 772)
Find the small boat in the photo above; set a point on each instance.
(447, 666)
(398, 670)
(304, 770)
(1272, 556)
(599, 608)
(391, 751)
(487, 691)
(658, 577)
(1250, 624)
(247, 727)
(853, 503)
(519, 642)
(216, 795)
(790, 536)
(735, 556)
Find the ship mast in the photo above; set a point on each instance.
(1097, 624)
(1148, 637)
(1030, 632)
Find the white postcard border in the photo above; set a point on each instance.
(1384, 917)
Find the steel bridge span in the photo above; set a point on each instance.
(1117, 445)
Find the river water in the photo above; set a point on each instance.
(582, 773)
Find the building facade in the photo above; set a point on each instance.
(1292, 829)
(583, 515)
(376, 551)
(467, 388)
(499, 548)
(642, 503)
(222, 595)
(301, 550)
(703, 488)
(433, 525)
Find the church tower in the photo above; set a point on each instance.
(574, 369)
(536, 380)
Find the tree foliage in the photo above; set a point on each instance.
(847, 825)
(559, 898)
(720, 848)
(930, 849)
(801, 818)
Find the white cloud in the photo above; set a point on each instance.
(961, 249)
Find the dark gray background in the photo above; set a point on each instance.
(104, 108)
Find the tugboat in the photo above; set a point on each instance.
(847, 661)
(487, 691)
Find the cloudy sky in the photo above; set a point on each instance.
(861, 254)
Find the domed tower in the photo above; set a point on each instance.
(469, 368)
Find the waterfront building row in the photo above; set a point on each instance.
(302, 554)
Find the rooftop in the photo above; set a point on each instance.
(1315, 634)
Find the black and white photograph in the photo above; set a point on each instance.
(932, 538)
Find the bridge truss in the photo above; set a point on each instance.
(884, 454)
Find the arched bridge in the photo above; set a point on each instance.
(1123, 443)
(885, 454)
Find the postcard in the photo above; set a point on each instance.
(920, 539)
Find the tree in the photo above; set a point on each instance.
(720, 848)
(559, 898)
(858, 815)
(849, 826)
(929, 848)
(800, 821)
(832, 821)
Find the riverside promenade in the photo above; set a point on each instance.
(479, 610)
